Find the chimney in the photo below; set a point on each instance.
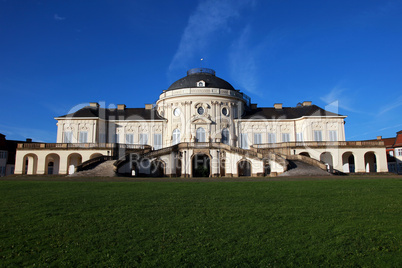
(94, 104)
(148, 106)
(29, 140)
(306, 103)
(121, 107)
(379, 138)
(278, 106)
(253, 106)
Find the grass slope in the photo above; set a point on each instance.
(215, 224)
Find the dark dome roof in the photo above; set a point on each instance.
(198, 74)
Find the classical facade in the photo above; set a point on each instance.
(201, 126)
(394, 152)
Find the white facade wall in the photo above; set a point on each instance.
(38, 160)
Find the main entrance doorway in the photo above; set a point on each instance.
(201, 165)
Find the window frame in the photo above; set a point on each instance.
(200, 135)
(157, 141)
(317, 135)
(176, 136)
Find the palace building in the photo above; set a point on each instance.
(201, 126)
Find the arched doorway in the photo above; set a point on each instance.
(52, 164)
(201, 165)
(178, 167)
(305, 154)
(244, 168)
(157, 168)
(348, 162)
(30, 164)
(73, 161)
(223, 167)
(326, 157)
(267, 168)
(370, 162)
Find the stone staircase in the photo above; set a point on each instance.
(299, 168)
(105, 169)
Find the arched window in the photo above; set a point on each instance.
(176, 136)
(200, 135)
(225, 136)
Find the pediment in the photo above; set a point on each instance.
(201, 120)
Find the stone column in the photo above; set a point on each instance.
(63, 168)
(41, 164)
(359, 162)
(214, 163)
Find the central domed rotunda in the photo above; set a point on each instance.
(206, 76)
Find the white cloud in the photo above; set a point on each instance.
(209, 17)
(243, 62)
(342, 96)
(57, 17)
(247, 59)
(391, 106)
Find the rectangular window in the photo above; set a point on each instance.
(225, 136)
(333, 135)
(83, 137)
(271, 138)
(117, 138)
(143, 138)
(317, 135)
(299, 136)
(102, 138)
(398, 151)
(68, 137)
(244, 141)
(257, 138)
(157, 141)
(129, 138)
(285, 137)
(235, 112)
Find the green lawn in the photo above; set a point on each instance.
(351, 222)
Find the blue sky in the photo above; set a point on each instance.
(56, 56)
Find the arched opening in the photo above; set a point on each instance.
(305, 154)
(225, 136)
(30, 164)
(95, 155)
(223, 167)
(201, 165)
(176, 137)
(244, 168)
(267, 168)
(200, 135)
(178, 167)
(50, 168)
(370, 162)
(348, 162)
(326, 157)
(73, 161)
(52, 164)
(157, 168)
